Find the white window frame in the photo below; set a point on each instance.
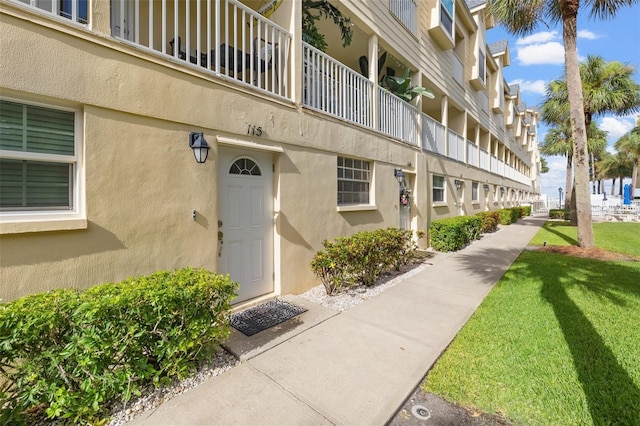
(482, 65)
(46, 7)
(449, 31)
(474, 192)
(370, 205)
(39, 220)
(442, 188)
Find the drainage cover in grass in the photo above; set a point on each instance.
(264, 316)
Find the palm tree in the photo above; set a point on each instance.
(608, 88)
(521, 17)
(614, 166)
(558, 141)
(629, 144)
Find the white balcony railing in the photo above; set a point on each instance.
(74, 10)
(484, 159)
(493, 164)
(397, 118)
(334, 89)
(455, 146)
(223, 37)
(500, 170)
(433, 135)
(472, 153)
(405, 11)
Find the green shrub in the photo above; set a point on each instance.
(559, 214)
(73, 353)
(526, 211)
(490, 221)
(361, 258)
(509, 216)
(454, 233)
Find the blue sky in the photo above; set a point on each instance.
(538, 58)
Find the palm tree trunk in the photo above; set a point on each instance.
(613, 186)
(593, 173)
(569, 9)
(634, 177)
(568, 183)
(620, 186)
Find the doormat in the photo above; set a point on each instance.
(264, 316)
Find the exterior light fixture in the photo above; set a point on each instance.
(486, 187)
(399, 174)
(199, 145)
(604, 196)
(502, 189)
(458, 183)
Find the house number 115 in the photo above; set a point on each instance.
(254, 130)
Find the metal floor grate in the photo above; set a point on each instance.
(264, 316)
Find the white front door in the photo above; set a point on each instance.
(245, 213)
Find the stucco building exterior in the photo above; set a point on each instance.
(100, 101)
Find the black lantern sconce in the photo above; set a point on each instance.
(458, 183)
(200, 146)
(486, 187)
(399, 175)
(502, 190)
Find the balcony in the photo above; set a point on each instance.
(230, 41)
(433, 135)
(406, 12)
(332, 88)
(224, 38)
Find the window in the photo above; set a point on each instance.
(482, 61)
(64, 8)
(38, 158)
(245, 166)
(446, 16)
(438, 189)
(354, 181)
(474, 191)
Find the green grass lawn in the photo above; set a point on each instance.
(557, 341)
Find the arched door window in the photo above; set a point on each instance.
(245, 166)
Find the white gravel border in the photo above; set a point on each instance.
(224, 361)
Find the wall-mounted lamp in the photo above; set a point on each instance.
(486, 187)
(502, 190)
(199, 145)
(458, 183)
(399, 174)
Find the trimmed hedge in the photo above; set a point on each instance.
(361, 258)
(559, 214)
(509, 216)
(454, 233)
(526, 211)
(490, 221)
(71, 354)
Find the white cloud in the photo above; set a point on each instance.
(537, 38)
(551, 53)
(527, 86)
(615, 127)
(589, 35)
(556, 176)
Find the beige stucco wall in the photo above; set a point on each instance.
(142, 182)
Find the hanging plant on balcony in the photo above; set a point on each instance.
(312, 11)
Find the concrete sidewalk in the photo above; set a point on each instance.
(355, 367)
